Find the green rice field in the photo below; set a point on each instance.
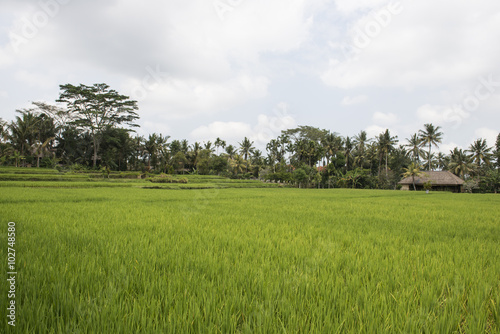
(132, 259)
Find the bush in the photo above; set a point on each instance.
(164, 178)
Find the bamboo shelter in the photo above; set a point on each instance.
(439, 180)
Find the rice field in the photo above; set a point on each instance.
(136, 260)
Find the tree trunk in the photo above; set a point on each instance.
(386, 167)
(429, 157)
(95, 151)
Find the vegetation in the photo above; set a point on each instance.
(86, 131)
(252, 260)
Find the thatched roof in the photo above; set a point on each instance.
(443, 178)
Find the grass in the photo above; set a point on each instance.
(51, 178)
(253, 261)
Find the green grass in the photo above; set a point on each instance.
(253, 261)
(51, 178)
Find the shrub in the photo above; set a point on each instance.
(165, 178)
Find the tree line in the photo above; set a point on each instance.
(94, 129)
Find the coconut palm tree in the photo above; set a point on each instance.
(4, 131)
(230, 151)
(237, 164)
(414, 145)
(481, 153)
(246, 147)
(385, 145)
(460, 163)
(360, 141)
(430, 136)
(24, 131)
(414, 170)
(348, 148)
(219, 143)
(442, 161)
(39, 149)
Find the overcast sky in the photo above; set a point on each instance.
(202, 69)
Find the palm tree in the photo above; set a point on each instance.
(412, 171)
(414, 145)
(385, 145)
(185, 146)
(430, 136)
(237, 164)
(331, 145)
(219, 143)
(460, 163)
(430, 161)
(348, 147)
(360, 142)
(4, 133)
(40, 149)
(24, 131)
(230, 151)
(273, 149)
(481, 153)
(208, 146)
(195, 152)
(442, 161)
(246, 147)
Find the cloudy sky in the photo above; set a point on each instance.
(202, 69)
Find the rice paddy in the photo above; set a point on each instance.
(127, 259)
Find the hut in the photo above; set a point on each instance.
(439, 180)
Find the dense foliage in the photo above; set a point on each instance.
(88, 132)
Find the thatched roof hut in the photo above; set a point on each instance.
(442, 180)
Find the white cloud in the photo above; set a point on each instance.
(229, 131)
(349, 6)
(266, 128)
(386, 119)
(349, 101)
(445, 148)
(416, 49)
(489, 134)
(374, 130)
(442, 115)
(33, 79)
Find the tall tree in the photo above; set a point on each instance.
(480, 151)
(230, 151)
(348, 149)
(246, 148)
(219, 143)
(430, 136)
(97, 107)
(414, 147)
(386, 144)
(24, 131)
(460, 163)
(497, 151)
(360, 142)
